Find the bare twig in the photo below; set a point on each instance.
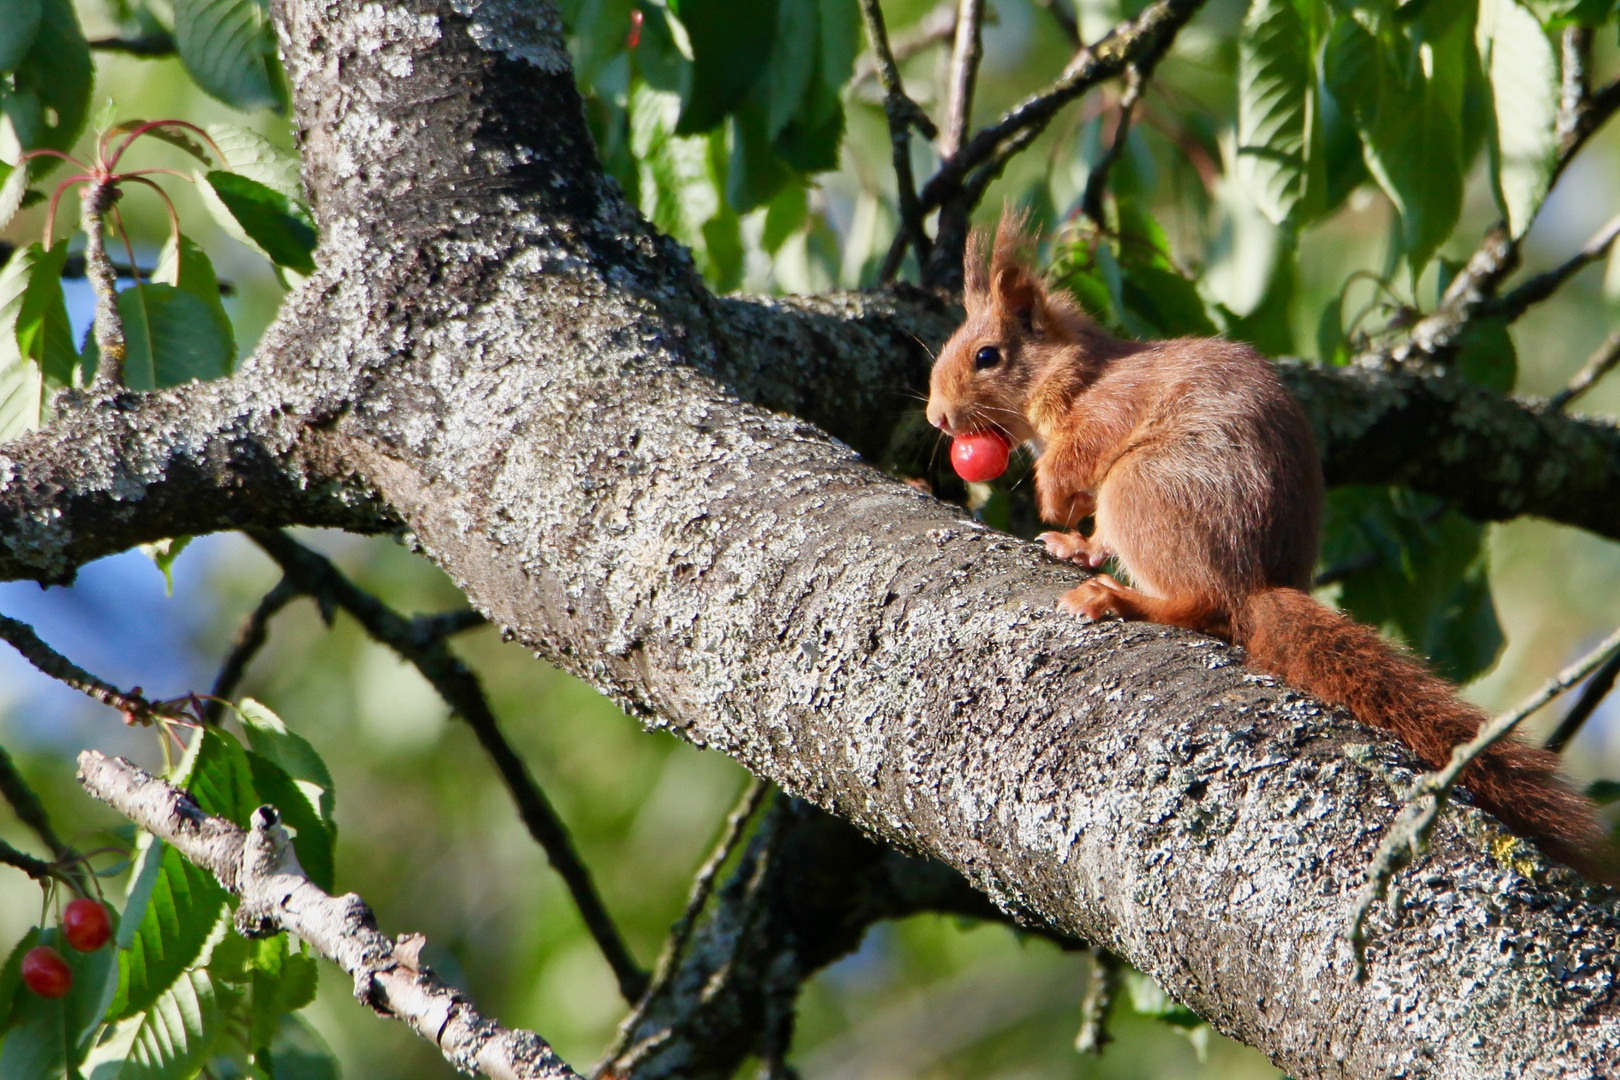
(1100, 991)
(1600, 363)
(1591, 696)
(1135, 41)
(96, 200)
(31, 812)
(1543, 285)
(147, 45)
(1575, 56)
(259, 866)
(21, 637)
(249, 640)
(966, 53)
(314, 574)
(38, 869)
(1409, 833)
(903, 115)
(934, 28)
(1091, 202)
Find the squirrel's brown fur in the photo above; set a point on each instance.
(1202, 477)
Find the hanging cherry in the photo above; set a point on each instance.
(46, 973)
(86, 925)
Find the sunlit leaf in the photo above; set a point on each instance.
(46, 106)
(1274, 85)
(730, 45)
(271, 738)
(172, 909)
(249, 154)
(36, 344)
(167, 1041)
(187, 267)
(261, 217)
(1524, 79)
(170, 338)
(228, 47)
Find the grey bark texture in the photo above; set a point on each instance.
(501, 361)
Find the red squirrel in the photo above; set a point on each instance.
(1201, 474)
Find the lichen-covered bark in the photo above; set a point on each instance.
(537, 386)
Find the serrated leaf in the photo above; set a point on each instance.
(172, 910)
(170, 338)
(260, 217)
(792, 63)
(221, 780)
(49, 99)
(228, 48)
(271, 738)
(187, 267)
(299, 1053)
(36, 345)
(19, 24)
(1274, 87)
(312, 837)
(250, 154)
(283, 981)
(12, 191)
(1523, 72)
(730, 45)
(168, 1041)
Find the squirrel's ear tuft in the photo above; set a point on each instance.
(1014, 285)
(976, 271)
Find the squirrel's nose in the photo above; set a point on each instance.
(939, 416)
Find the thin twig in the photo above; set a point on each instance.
(1591, 696)
(1575, 60)
(697, 898)
(903, 115)
(31, 812)
(38, 869)
(260, 866)
(1409, 833)
(1543, 285)
(96, 200)
(966, 53)
(21, 637)
(147, 45)
(1133, 41)
(314, 574)
(249, 640)
(1091, 202)
(1600, 363)
(1101, 989)
(934, 28)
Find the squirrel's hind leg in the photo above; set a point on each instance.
(1101, 596)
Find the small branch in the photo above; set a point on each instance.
(314, 574)
(1101, 989)
(21, 637)
(249, 640)
(260, 867)
(31, 812)
(934, 28)
(1575, 52)
(1543, 285)
(147, 45)
(1600, 363)
(696, 899)
(903, 115)
(38, 869)
(1429, 795)
(109, 325)
(966, 53)
(1091, 202)
(1592, 695)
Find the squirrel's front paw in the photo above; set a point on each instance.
(1096, 598)
(1074, 547)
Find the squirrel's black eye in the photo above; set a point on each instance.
(987, 357)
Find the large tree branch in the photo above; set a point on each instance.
(540, 389)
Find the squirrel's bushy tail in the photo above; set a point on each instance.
(1317, 650)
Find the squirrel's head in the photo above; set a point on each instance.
(1015, 330)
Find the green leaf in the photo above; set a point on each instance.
(785, 216)
(272, 739)
(187, 267)
(754, 174)
(1331, 346)
(1486, 356)
(1269, 327)
(1274, 87)
(299, 1053)
(11, 975)
(249, 154)
(1149, 999)
(19, 22)
(221, 780)
(163, 553)
(1603, 792)
(791, 65)
(841, 41)
(260, 217)
(12, 192)
(284, 981)
(730, 44)
(1167, 301)
(172, 909)
(1419, 572)
(47, 1034)
(36, 344)
(49, 100)
(170, 338)
(1524, 79)
(228, 47)
(168, 1041)
(312, 837)
(810, 140)
(175, 135)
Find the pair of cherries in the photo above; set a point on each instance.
(87, 927)
(980, 455)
